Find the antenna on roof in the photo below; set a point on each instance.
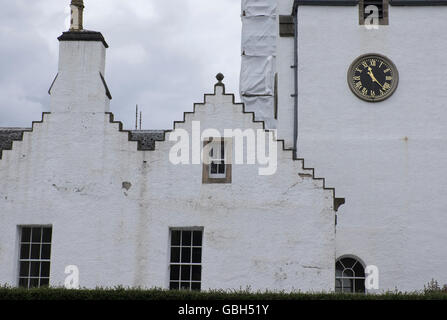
(136, 118)
(141, 115)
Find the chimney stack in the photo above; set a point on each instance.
(80, 84)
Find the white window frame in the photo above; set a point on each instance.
(351, 279)
(31, 260)
(217, 155)
(213, 153)
(190, 264)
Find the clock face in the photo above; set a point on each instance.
(373, 77)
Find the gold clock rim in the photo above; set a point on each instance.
(395, 76)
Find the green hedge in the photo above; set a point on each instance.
(158, 294)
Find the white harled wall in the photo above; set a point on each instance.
(387, 159)
(78, 86)
(264, 232)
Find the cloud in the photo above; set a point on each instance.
(163, 55)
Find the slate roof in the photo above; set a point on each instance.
(8, 135)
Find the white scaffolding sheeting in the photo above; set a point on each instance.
(258, 8)
(262, 106)
(259, 36)
(258, 47)
(256, 75)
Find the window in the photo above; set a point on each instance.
(286, 26)
(34, 260)
(216, 166)
(217, 160)
(186, 259)
(349, 275)
(368, 7)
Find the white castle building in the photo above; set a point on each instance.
(356, 88)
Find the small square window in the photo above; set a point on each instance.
(367, 8)
(217, 154)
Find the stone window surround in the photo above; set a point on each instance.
(206, 179)
(382, 21)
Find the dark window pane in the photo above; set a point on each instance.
(35, 269)
(348, 273)
(24, 269)
(35, 251)
(186, 272)
(195, 286)
(44, 282)
(23, 282)
(196, 255)
(186, 238)
(347, 285)
(185, 285)
(213, 168)
(34, 283)
(338, 272)
(175, 254)
(222, 167)
(36, 234)
(26, 234)
(196, 273)
(360, 285)
(359, 270)
(175, 238)
(186, 255)
(337, 285)
(46, 251)
(222, 149)
(174, 285)
(175, 272)
(197, 238)
(46, 235)
(45, 269)
(24, 251)
(348, 262)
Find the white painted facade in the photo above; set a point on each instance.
(387, 159)
(111, 206)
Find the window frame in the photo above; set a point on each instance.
(30, 260)
(353, 278)
(207, 177)
(190, 263)
(384, 21)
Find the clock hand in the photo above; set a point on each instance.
(370, 73)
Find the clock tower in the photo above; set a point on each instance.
(362, 98)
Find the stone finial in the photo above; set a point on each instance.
(220, 77)
(77, 11)
(219, 83)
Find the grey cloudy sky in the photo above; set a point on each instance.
(163, 55)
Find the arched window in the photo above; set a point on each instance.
(349, 275)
